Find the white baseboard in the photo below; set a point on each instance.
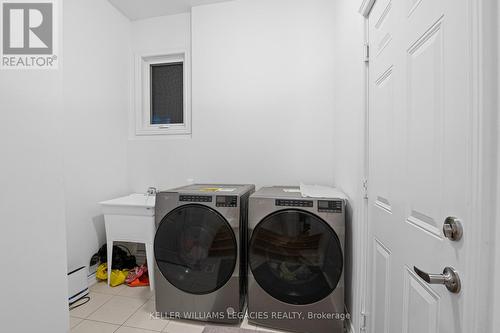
(91, 280)
(349, 327)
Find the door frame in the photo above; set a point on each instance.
(483, 124)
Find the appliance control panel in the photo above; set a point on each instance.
(195, 198)
(294, 203)
(226, 201)
(330, 206)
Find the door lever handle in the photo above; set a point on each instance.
(449, 278)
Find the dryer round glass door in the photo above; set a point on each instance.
(195, 249)
(295, 257)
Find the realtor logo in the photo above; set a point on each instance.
(28, 34)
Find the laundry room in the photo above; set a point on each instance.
(239, 166)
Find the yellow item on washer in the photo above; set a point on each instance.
(210, 189)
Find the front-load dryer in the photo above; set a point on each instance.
(296, 261)
(200, 252)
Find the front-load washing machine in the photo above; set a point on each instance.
(296, 261)
(200, 252)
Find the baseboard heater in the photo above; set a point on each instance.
(78, 286)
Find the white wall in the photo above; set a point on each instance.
(262, 95)
(32, 240)
(96, 95)
(496, 308)
(495, 322)
(349, 136)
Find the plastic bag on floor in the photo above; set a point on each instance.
(117, 276)
(102, 272)
(138, 277)
(136, 273)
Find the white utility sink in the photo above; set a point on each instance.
(131, 219)
(134, 204)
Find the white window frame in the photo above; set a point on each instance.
(142, 94)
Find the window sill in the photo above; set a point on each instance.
(162, 132)
(159, 137)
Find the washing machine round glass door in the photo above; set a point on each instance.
(295, 256)
(195, 249)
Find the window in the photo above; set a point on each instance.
(167, 93)
(162, 95)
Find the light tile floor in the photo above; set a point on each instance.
(124, 309)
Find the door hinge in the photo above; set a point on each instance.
(367, 52)
(363, 322)
(365, 188)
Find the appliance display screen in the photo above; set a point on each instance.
(323, 204)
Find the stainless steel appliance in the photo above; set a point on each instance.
(296, 258)
(200, 252)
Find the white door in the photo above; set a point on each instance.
(419, 163)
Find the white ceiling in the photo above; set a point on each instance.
(141, 9)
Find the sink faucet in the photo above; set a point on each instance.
(151, 191)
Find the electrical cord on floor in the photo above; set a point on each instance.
(72, 306)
